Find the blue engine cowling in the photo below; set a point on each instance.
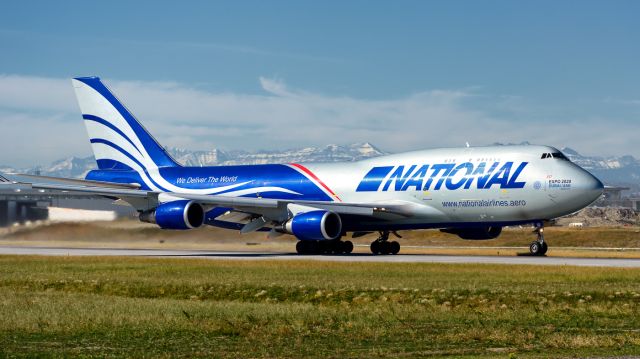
(315, 226)
(476, 233)
(182, 214)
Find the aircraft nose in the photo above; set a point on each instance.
(590, 186)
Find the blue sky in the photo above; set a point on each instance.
(402, 75)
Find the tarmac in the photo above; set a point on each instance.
(256, 255)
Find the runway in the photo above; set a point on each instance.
(254, 255)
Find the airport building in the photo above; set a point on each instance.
(613, 197)
(16, 207)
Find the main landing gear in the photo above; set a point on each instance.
(383, 246)
(324, 247)
(539, 246)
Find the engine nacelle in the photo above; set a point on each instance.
(314, 226)
(478, 233)
(181, 214)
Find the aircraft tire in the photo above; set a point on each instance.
(535, 248)
(384, 247)
(347, 247)
(545, 247)
(333, 247)
(314, 247)
(376, 247)
(394, 247)
(310, 247)
(301, 247)
(324, 247)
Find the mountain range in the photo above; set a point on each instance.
(77, 167)
(613, 171)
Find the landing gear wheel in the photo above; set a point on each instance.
(325, 247)
(314, 247)
(539, 246)
(544, 248)
(375, 247)
(300, 247)
(386, 247)
(535, 248)
(383, 246)
(335, 247)
(394, 247)
(308, 247)
(304, 247)
(347, 247)
(380, 247)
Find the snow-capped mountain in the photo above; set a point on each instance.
(330, 153)
(600, 163)
(614, 171)
(78, 167)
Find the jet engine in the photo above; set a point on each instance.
(476, 233)
(181, 214)
(314, 226)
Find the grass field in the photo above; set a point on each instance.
(100, 307)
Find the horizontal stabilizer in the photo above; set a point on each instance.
(21, 178)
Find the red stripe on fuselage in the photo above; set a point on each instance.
(310, 174)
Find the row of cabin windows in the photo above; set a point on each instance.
(557, 155)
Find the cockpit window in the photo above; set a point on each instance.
(560, 155)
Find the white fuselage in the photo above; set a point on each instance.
(545, 188)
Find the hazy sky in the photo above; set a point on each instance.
(270, 74)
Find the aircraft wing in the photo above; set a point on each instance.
(273, 209)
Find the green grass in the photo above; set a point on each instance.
(100, 307)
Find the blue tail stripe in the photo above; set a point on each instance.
(111, 126)
(119, 149)
(157, 153)
(124, 152)
(107, 164)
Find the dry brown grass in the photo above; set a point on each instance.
(133, 234)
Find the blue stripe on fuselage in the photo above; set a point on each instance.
(281, 176)
(256, 176)
(372, 180)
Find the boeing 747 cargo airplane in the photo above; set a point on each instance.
(472, 192)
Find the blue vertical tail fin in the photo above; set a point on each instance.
(118, 140)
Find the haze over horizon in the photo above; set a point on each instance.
(256, 75)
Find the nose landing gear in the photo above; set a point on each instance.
(539, 246)
(383, 246)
